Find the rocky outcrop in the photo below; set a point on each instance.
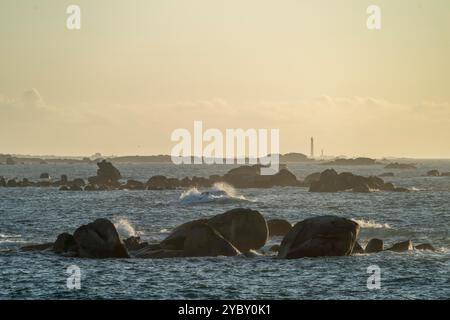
(99, 239)
(374, 245)
(107, 174)
(134, 243)
(66, 244)
(320, 236)
(246, 229)
(192, 239)
(433, 173)
(396, 165)
(387, 174)
(331, 181)
(313, 177)
(278, 227)
(402, 246)
(357, 249)
(44, 176)
(352, 162)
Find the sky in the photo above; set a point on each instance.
(139, 69)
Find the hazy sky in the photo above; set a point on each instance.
(139, 69)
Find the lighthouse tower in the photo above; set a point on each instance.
(312, 148)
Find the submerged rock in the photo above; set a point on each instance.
(99, 239)
(38, 247)
(374, 245)
(320, 236)
(278, 227)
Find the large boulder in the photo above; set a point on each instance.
(99, 239)
(313, 177)
(374, 245)
(107, 173)
(192, 239)
(204, 241)
(175, 240)
(425, 246)
(357, 249)
(331, 181)
(320, 236)
(246, 229)
(402, 246)
(65, 244)
(278, 227)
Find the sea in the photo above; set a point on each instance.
(37, 215)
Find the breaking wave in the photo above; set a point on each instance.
(370, 224)
(220, 192)
(124, 228)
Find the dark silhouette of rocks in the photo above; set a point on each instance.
(134, 243)
(374, 245)
(44, 176)
(331, 181)
(274, 248)
(246, 229)
(313, 177)
(433, 173)
(278, 227)
(402, 246)
(396, 165)
(106, 174)
(99, 239)
(352, 162)
(357, 249)
(320, 236)
(2, 182)
(66, 244)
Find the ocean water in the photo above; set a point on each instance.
(38, 215)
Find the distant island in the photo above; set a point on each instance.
(162, 158)
(352, 162)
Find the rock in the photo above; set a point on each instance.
(445, 174)
(313, 177)
(396, 165)
(357, 249)
(175, 240)
(374, 245)
(75, 187)
(64, 188)
(400, 190)
(320, 236)
(78, 182)
(331, 181)
(44, 176)
(2, 182)
(433, 173)
(363, 188)
(12, 183)
(134, 243)
(245, 229)
(402, 246)
(425, 246)
(204, 241)
(134, 185)
(157, 183)
(38, 247)
(352, 162)
(278, 227)
(65, 243)
(387, 174)
(64, 179)
(99, 239)
(250, 177)
(275, 248)
(148, 253)
(106, 173)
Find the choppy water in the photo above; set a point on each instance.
(36, 215)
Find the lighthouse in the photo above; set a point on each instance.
(312, 148)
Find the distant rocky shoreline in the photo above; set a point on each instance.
(108, 178)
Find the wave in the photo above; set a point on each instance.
(220, 192)
(371, 224)
(125, 229)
